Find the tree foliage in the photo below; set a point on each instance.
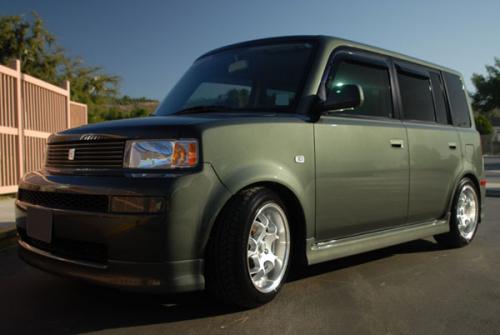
(28, 40)
(487, 96)
(483, 124)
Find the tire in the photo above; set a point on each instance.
(464, 220)
(243, 249)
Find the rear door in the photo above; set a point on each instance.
(434, 144)
(361, 154)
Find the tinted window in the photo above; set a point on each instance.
(231, 95)
(373, 80)
(439, 99)
(279, 98)
(260, 78)
(458, 101)
(416, 97)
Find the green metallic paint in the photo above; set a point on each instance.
(350, 189)
(434, 169)
(361, 180)
(262, 150)
(194, 202)
(356, 191)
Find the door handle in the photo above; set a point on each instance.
(397, 143)
(452, 145)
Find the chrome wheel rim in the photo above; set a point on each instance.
(467, 212)
(268, 248)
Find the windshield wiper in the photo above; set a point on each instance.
(205, 109)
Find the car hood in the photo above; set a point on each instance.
(173, 126)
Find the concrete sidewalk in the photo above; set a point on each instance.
(7, 218)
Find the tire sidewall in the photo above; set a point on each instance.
(453, 221)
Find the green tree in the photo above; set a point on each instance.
(487, 96)
(40, 56)
(483, 124)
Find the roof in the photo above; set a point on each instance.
(332, 41)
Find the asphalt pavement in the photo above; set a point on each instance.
(413, 288)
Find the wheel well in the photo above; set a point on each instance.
(296, 217)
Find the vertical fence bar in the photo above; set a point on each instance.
(68, 107)
(19, 110)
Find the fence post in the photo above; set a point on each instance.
(68, 105)
(20, 120)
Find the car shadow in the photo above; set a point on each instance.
(416, 246)
(41, 303)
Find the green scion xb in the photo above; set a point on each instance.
(265, 154)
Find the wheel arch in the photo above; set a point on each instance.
(295, 210)
(475, 181)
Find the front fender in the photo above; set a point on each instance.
(258, 172)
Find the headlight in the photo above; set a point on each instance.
(161, 154)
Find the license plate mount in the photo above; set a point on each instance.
(39, 224)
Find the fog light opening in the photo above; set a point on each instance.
(131, 204)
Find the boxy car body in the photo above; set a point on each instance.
(351, 179)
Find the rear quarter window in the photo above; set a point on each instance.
(458, 100)
(439, 99)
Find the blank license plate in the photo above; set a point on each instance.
(39, 224)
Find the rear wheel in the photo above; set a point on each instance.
(249, 250)
(464, 216)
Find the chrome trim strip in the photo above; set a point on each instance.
(57, 258)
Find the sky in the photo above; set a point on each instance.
(151, 43)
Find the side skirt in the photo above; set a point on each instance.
(318, 252)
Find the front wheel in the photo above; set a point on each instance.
(249, 249)
(464, 216)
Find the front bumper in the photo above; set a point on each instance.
(149, 252)
(162, 277)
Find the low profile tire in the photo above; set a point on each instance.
(249, 249)
(464, 216)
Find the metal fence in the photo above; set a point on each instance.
(30, 110)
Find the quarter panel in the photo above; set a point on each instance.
(473, 162)
(434, 169)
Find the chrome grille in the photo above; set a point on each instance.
(86, 155)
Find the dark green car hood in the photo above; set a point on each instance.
(173, 126)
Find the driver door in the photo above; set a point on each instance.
(362, 172)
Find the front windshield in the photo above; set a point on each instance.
(255, 78)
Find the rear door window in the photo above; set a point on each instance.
(458, 101)
(416, 97)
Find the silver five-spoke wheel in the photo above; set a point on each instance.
(268, 247)
(467, 212)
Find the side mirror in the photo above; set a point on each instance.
(343, 97)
